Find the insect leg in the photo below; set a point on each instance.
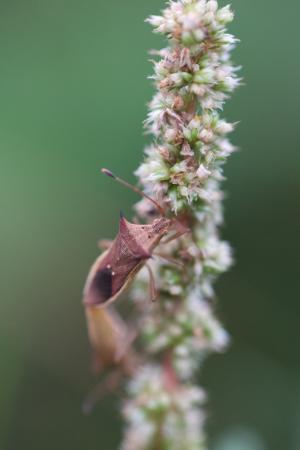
(175, 236)
(104, 244)
(110, 384)
(124, 346)
(152, 287)
(97, 364)
(169, 259)
(180, 230)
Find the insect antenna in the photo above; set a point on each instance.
(135, 189)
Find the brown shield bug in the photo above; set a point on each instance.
(114, 269)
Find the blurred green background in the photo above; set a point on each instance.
(73, 93)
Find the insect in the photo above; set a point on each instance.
(134, 245)
(110, 338)
(111, 343)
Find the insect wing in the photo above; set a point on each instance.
(114, 269)
(105, 330)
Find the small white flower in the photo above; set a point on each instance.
(185, 58)
(176, 79)
(170, 134)
(225, 15)
(206, 135)
(186, 150)
(155, 21)
(200, 8)
(212, 6)
(203, 173)
(224, 127)
(175, 290)
(225, 148)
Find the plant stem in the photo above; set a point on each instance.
(183, 170)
